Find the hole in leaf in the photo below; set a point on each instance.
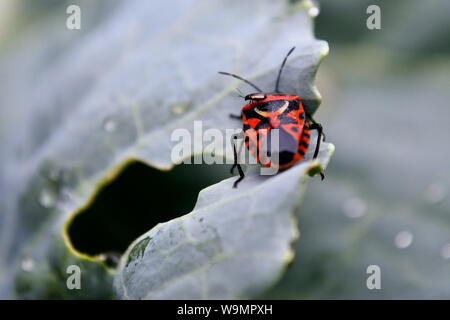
(135, 201)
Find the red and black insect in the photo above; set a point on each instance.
(276, 110)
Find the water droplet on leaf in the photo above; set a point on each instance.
(27, 264)
(66, 194)
(64, 199)
(47, 199)
(109, 125)
(403, 239)
(435, 192)
(445, 252)
(313, 9)
(354, 207)
(313, 12)
(180, 108)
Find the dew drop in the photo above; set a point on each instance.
(65, 197)
(325, 50)
(313, 9)
(354, 207)
(313, 12)
(27, 264)
(66, 194)
(47, 199)
(403, 239)
(445, 251)
(109, 125)
(180, 108)
(435, 193)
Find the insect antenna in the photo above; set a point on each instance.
(281, 69)
(240, 78)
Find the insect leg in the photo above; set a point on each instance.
(236, 164)
(235, 116)
(238, 154)
(318, 127)
(314, 121)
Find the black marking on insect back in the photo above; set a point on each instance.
(264, 124)
(285, 157)
(251, 113)
(300, 152)
(287, 148)
(293, 105)
(306, 134)
(304, 143)
(282, 158)
(284, 120)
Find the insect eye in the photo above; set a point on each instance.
(256, 96)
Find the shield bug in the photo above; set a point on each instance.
(266, 111)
